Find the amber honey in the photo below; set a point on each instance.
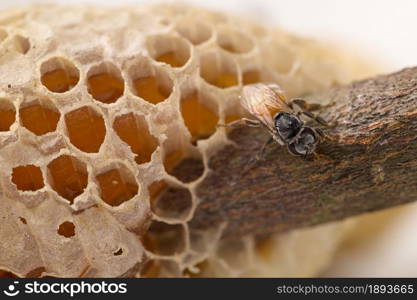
(66, 229)
(115, 189)
(39, 119)
(200, 120)
(149, 89)
(59, 80)
(133, 131)
(28, 178)
(171, 58)
(68, 179)
(251, 77)
(86, 129)
(105, 87)
(7, 118)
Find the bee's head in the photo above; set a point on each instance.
(288, 125)
(305, 143)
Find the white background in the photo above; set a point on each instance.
(386, 31)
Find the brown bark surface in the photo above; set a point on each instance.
(369, 164)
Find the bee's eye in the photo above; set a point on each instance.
(287, 125)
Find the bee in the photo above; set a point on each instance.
(271, 109)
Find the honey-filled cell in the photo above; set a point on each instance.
(133, 130)
(115, 187)
(200, 120)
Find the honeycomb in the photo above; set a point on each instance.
(104, 112)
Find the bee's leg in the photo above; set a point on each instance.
(242, 122)
(259, 156)
(307, 108)
(318, 156)
(317, 118)
(261, 153)
(322, 135)
(303, 105)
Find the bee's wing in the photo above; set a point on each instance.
(263, 101)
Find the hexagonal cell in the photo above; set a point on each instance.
(218, 70)
(7, 114)
(164, 239)
(66, 229)
(200, 115)
(193, 30)
(234, 41)
(86, 129)
(148, 88)
(280, 57)
(186, 170)
(21, 43)
(172, 159)
(233, 112)
(133, 130)
(168, 49)
(169, 201)
(105, 83)
(39, 117)
(117, 186)
(150, 83)
(68, 176)
(59, 75)
(27, 178)
(160, 268)
(251, 76)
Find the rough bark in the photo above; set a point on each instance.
(369, 163)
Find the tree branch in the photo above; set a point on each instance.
(370, 163)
